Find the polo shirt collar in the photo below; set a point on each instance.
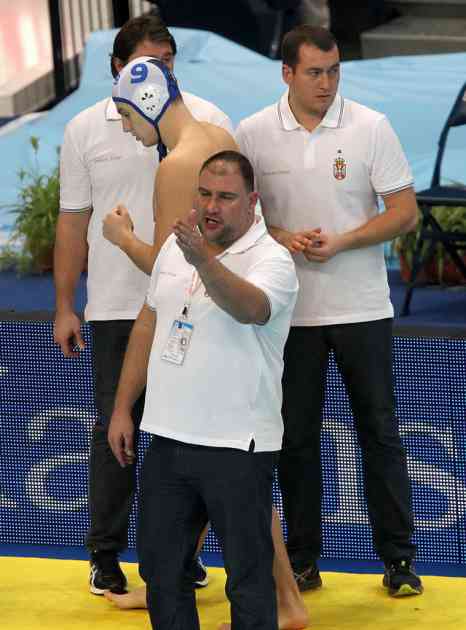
(334, 116)
(255, 233)
(111, 112)
(288, 121)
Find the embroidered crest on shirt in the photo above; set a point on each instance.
(339, 166)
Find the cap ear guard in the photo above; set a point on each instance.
(172, 88)
(172, 84)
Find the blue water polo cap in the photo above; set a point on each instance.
(147, 85)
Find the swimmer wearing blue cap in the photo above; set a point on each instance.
(148, 99)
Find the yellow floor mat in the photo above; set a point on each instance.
(53, 595)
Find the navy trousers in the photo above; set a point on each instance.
(363, 352)
(182, 487)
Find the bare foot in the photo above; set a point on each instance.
(133, 599)
(295, 622)
(292, 615)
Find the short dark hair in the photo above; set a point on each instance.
(316, 36)
(241, 161)
(137, 30)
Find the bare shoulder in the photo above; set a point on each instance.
(184, 162)
(199, 143)
(219, 137)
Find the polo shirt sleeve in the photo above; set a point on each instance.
(75, 184)
(390, 171)
(246, 144)
(243, 143)
(150, 295)
(276, 276)
(206, 111)
(222, 120)
(216, 116)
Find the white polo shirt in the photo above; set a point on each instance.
(329, 178)
(228, 391)
(100, 166)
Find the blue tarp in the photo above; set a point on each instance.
(415, 92)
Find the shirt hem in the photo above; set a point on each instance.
(344, 319)
(242, 445)
(92, 316)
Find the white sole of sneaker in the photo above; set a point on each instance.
(201, 583)
(97, 591)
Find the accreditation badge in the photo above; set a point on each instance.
(178, 341)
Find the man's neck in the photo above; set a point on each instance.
(215, 249)
(307, 119)
(174, 122)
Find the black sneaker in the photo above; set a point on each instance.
(199, 573)
(309, 579)
(400, 578)
(106, 574)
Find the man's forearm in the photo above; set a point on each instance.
(384, 227)
(238, 297)
(400, 216)
(134, 371)
(70, 255)
(294, 242)
(142, 254)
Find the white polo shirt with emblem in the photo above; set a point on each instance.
(328, 178)
(101, 166)
(228, 390)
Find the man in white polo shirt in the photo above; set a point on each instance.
(208, 347)
(320, 161)
(100, 167)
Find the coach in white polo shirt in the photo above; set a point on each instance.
(215, 322)
(320, 162)
(100, 167)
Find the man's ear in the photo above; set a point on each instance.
(287, 73)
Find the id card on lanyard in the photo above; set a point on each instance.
(182, 329)
(178, 341)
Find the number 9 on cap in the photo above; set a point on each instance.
(139, 73)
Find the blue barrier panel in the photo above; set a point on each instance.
(46, 413)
